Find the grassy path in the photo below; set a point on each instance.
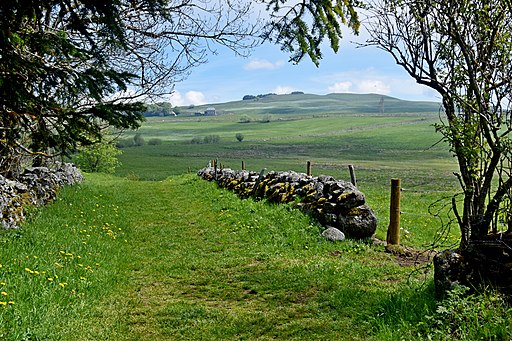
(195, 263)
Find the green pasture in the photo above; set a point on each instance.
(156, 253)
(380, 147)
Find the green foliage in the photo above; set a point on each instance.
(196, 140)
(124, 143)
(94, 61)
(466, 316)
(211, 139)
(98, 158)
(43, 51)
(475, 89)
(300, 28)
(159, 109)
(239, 137)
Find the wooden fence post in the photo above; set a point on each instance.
(393, 235)
(308, 168)
(243, 165)
(352, 175)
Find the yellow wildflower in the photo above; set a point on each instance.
(3, 293)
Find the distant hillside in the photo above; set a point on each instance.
(317, 104)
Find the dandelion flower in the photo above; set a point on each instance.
(11, 302)
(3, 303)
(3, 293)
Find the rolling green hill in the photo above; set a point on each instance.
(311, 104)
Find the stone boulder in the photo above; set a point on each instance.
(333, 234)
(449, 271)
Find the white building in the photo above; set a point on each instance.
(210, 111)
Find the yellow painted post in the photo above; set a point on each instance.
(393, 235)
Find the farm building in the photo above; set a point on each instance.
(210, 111)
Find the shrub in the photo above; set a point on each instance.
(211, 139)
(155, 142)
(239, 137)
(138, 140)
(465, 316)
(98, 158)
(245, 119)
(196, 140)
(124, 143)
(266, 119)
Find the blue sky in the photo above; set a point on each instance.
(227, 77)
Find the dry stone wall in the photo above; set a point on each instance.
(35, 186)
(334, 203)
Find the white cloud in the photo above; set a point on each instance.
(361, 86)
(372, 86)
(263, 64)
(340, 87)
(191, 97)
(281, 90)
(195, 97)
(371, 80)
